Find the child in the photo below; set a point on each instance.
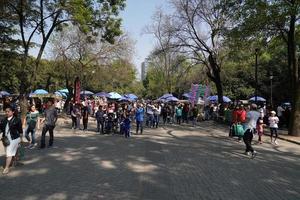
(273, 121)
(260, 128)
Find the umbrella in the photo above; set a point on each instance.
(165, 96)
(60, 94)
(114, 95)
(171, 99)
(215, 98)
(258, 99)
(102, 94)
(4, 93)
(124, 98)
(64, 91)
(131, 96)
(40, 91)
(187, 95)
(86, 92)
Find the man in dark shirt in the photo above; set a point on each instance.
(49, 123)
(100, 119)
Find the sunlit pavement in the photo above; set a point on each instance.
(166, 163)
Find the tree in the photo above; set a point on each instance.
(277, 18)
(196, 28)
(44, 17)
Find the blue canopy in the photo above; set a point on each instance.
(215, 98)
(86, 92)
(60, 94)
(165, 96)
(64, 91)
(102, 94)
(4, 93)
(114, 95)
(40, 91)
(131, 96)
(187, 95)
(258, 99)
(123, 98)
(171, 99)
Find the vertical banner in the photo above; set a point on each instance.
(77, 90)
(194, 93)
(206, 93)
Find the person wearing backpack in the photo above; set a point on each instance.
(31, 121)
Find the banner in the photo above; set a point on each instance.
(77, 90)
(197, 91)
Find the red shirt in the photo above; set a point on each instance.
(239, 116)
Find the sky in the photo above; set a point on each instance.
(136, 16)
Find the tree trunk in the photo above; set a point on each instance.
(294, 128)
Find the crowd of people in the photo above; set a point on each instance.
(113, 117)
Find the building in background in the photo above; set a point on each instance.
(144, 68)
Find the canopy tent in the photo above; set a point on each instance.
(171, 99)
(131, 96)
(114, 95)
(60, 94)
(64, 91)
(165, 96)
(86, 92)
(40, 91)
(4, 93)
(187, 95)
(215, 98)
(258, 98)
(124, 98)
(102, 94)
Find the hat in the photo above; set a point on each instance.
(273, 112)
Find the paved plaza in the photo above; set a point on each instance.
(176, 163)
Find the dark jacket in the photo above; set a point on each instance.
(15, 127)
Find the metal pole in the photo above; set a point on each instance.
(271, 79)
(256, 84)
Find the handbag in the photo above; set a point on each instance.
(31, 124)
(238, 130)
(5, 141)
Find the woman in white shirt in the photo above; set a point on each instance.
(273, 121)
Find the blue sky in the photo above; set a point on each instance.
(136, 16)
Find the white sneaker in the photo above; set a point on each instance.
(276, 143)
(247, 153)
(254, 154)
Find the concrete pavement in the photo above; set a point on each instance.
(165, 163)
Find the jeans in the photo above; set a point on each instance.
(139, 125)
(85, 123)
(178, 119)
(150, 120)
(156, 120)
(100, 126)
(274, 132)
(47, 128)
(78, 122)
(248, 136)
(74, 122)
(27, 131)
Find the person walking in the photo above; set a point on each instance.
(11, 127)
(239, 117)
(194, 115)
(250, 127)
(157, 112)
(100, 120)
(49, 124)
(139, 117)
(127, 124)
(31, 121)
(273, 123)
